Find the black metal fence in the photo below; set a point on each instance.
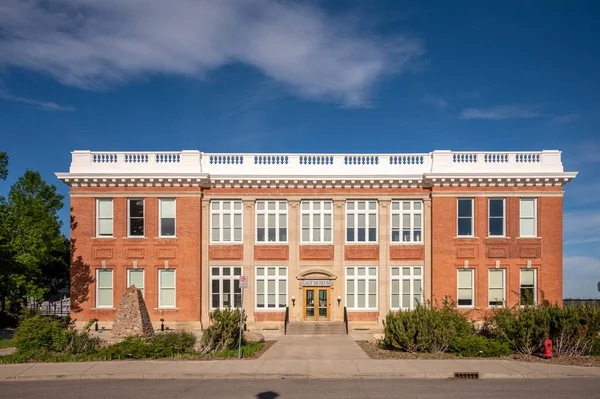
(576, 302)
(61, 307)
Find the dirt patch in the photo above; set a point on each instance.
(375, 352)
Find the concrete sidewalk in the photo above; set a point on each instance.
(289, 368)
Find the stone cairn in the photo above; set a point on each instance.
(132, 315)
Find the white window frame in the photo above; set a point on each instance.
(231, 212)
(160, 288)
(490, 271)
(355, 277)
(160, 217)
(535, 217)
(311, 212)
(143, 280)
(535, 284)
(400, 278)
(129, 217)
(355, 213)
(277, 212)
(462, 217)
(277, 278)
(112, 288)
(472, 305)
(112, 217)
(400, 212)
(221, 277)
(490, 217)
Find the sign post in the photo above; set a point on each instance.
(243, 284)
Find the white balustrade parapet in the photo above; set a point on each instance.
(323, 165)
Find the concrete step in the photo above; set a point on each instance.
(316, 328)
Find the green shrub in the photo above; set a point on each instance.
(81, 342)
(39, 334)
(479, 346)
(572, 329)
(172, 343)
(129, 348)
(224, 331)
(428, 328)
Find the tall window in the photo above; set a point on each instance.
(271, 221)
(104, 217)
(271, 287)
(225, 291)
(528, 287)
(407, 287)
(317, 221)
(104, 288)
(361, 287)
(496, 291)
(361, 221)
(465, 287)
(166, 217)
(166, 288)
(496, 223)
(136, 277)
(135, 217)
(226, 221)
(407, 219)
(528, 217)
(465, 217)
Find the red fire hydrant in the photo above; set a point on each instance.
(547, 348)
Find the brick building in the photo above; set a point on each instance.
(315, 233)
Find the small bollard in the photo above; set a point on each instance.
(162, 324)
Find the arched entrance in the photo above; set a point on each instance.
(316, 287)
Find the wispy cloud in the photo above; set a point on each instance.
(438, 102)
(568, 118)
(582, 227)
(97, 44)
(580, 276)
(44, 105)
(501, 112)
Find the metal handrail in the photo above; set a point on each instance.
(346, 319)
(286, 320)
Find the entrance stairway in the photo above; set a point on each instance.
(316, 328)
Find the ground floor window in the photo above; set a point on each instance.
(271, 287)
(496, 292)
(528, 287)
(406, 287)
(465, 287)
(225, 287)
(136, 277)
(166, 288)
(104, 288)
(361, 288)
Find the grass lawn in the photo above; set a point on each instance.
(6, 343)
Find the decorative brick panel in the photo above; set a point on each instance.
(467, 251)
(497, 252)
(226, 252)
(529, 251)
(316, 252)
(269, 316)
(271, 252)
(362, 316)
(407, 252)
(361, 252)
(103, 253)
(134, 253)
(166, 253)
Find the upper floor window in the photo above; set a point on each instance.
(528, 217)
(135, 217)
(104, 217)
(166, 217)
(271, 221)
(465, 217)
(496, 223)
(406, 287)
(361, 221)
(317, 221)
(226, 221)
(407, 220)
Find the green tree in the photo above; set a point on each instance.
(31, 244)
(3, 165)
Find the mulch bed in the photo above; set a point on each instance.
(375, 352)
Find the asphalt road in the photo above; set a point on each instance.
(303, 388)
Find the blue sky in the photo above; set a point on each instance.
(319, 76)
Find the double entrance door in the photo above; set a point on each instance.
(316, 304)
